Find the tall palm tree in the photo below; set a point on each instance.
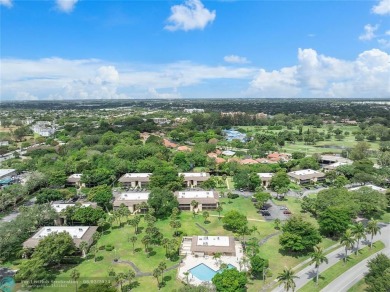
(133, 240)
(162, 266)
(359, 231)
(165, 243)
(156, 274)
(120, 278)
(373, 229)
(348, 241)
(146, 241)
(75, 275)
(317, 258)
(287, 279)
(130, 275)
(219, 210)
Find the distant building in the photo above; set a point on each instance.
(135, 180)
(184, 149)
(231, 135)
(331, 162)
(193, 110)
(228, 153)
(192, 179)
(207, 200)
(131, 200)
(306, 176)
(248, 161)
(4, 143)
(265, 178)
(373, 187)
(44, 128)
(74, 180)
(161, 121)
(78, 234)
(7, 173)
(169, 144)
(209, 245)
(276, 157)
(260, 116)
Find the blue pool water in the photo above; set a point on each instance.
(205, 273)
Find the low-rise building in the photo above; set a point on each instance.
(208, 245)
(44, 128)
(135, 180)
(305, 176)
(4, 143)
(373, 187)
(132, 200)
(161, 121)
(60, 206)
(193, 110)
(206, 200)
(74, 180)
(331, 162)
(78, 234)
(7, 173)
(192, 179)
(265, 178)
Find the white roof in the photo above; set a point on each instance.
(228, 152)
(137, 174)
(196, 194)
(76, 175)
(74, 231)
(133, 196)
(265, 174)
(62, 206)
(213, 240)
(4, 172)
(375, 188)
(199, 174)
(304, 172)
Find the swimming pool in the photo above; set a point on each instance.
(205, 273)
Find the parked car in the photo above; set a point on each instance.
(287, 212)
(265, 213)
(264, 208)
(283, 208)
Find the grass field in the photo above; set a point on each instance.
(336, 270)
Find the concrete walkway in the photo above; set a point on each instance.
(308, 273)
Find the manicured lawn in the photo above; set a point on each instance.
(385, 217)
(335, 271)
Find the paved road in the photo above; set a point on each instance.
(308, 273)
(357, 272)
(16, 213)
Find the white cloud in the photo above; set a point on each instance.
(236, 59)
(66, 6)
(387, 32)
(190, 15)
(382, 8)
(6, 3)
(317, 75)
(369, 32)
(167, 95)
(384, 43)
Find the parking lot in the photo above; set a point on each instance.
(275, 211)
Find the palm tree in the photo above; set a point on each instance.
(219, 210)
(216, 257)
(101, 223)
(186, 274)
(373, 229)
(205, 216)
(165, 243)
(156, 274)
(75, 275)
(146, 241)
(359, 231)
(130, 276)
(175, 225)
(83, 247)
(317, 258)
(133, 240)
(348, 241)
(162, 266)
(194, 204)
(111, 220)
(287, 279)
(120, 278)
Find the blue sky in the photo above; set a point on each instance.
(69, 49)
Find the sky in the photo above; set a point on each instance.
(83, 49)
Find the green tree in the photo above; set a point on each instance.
(219, 210)
(175, 224)
(156, 273)
(162, 201)
(334, 221)
(348, 241)
(100, 287)
(258, 266)
(234, 221)
(102, 195)
(54, 247)
(83, 247)
(206, 215)
(280, 182)
(378, 276)
(133, 240)
(317, 258)
(230, 280)
(299, 235)
(373, 229)
(75, 275)
(287, 279)
(162, 266)
(340, 181)
(360, 151)
(120, 278)
(359, 232)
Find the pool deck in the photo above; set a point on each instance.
(191, 261)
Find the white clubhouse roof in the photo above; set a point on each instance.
(213, 240)
(74, 231)
(194, 174)
(62, 206)
(133, 196)
(195, 194)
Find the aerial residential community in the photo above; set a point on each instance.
(194, 146)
